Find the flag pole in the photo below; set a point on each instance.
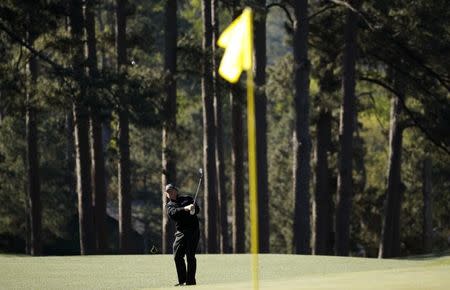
(252, 168)
(237, 39)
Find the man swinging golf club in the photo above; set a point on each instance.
(183, 211)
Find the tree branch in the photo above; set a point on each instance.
(420, 62)
(408, 111)
(406, 74)
(285, 11)
(327, 7)
(37, 53)
(358, 12)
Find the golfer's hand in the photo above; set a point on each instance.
(190, 208)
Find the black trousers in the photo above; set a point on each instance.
(186, 244)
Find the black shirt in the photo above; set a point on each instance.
(183, 219)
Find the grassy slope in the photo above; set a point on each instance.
(224, 271)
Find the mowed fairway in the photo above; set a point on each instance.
(223, 272)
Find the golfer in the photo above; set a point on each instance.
(182, 210)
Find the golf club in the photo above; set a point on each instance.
(200, 171)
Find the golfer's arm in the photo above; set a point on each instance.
(175, 212)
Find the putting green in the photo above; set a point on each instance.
(223, 272)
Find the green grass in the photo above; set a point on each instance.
(223, 272)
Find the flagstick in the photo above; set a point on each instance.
(251, 124)
(231, 66)
(252, 177)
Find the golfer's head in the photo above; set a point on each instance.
(171, 191)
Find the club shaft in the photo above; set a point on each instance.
(198, 188)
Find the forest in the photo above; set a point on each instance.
(104, 102)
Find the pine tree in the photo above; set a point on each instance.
(169, 123)
(209, 133)
(123, 138)
(302, 138)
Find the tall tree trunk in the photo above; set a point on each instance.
(390, 237)
(237, 158)
(261, 129)
(98, 159)
(70, 179)
(170, 122)
(2, 113)
(81, 121)
(26, 199)
(27, 220)
(124, 143)
(209, 133)
(99, 185)
(237, 161)
(427, 207)
(220, 164)
(301, 138)
(106, 63)
(346, 128)
(34, 194)
(34, 188)
(322, 199)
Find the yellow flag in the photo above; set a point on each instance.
(237, 39)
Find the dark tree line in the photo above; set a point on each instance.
(347, 49)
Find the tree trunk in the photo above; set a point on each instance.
(322, 199)
(70, 154)
(70, 178)
(209, 133)
(34, 191)
(261, 129)
(220, 164)
(99, 178)
(427, 207)
(106, 64)
(346, 128)
(34, 199)
(124, 144)
(170, 122)
(237, 162)
(81, 121)
(390, 237)
(301, 138)
(27, 220)
(237, 184)
(98, 159)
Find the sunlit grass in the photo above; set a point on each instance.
(223, 272)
